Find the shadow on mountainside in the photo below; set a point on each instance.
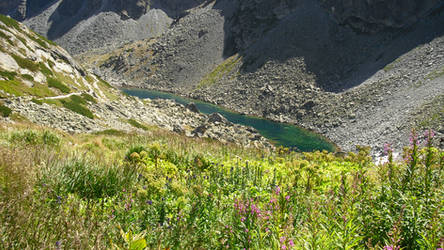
(69, 13)
(336, 56)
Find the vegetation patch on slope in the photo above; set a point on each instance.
(221, 70)
(55, 83)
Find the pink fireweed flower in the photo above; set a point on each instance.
(387, 149)
(291, 243)
(283, 247)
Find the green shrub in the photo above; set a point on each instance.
(78, 108)
(47, 72)
(28, 77)
(26, 63)
(77, 99)
(9, 22)
(36, 101)
(89, 98)
(9, 75)
(111, 132)
(136, 124)
(55, 83)
(5, 111)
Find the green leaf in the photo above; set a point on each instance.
(138, 245)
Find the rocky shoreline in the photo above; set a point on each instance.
(117, 115)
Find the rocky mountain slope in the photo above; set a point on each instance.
(40, 82)
(79, 26)
(359, 72)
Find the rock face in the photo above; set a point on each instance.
(40, 82)
(376, 15)
(83, 25)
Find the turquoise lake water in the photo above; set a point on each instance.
(281, 134)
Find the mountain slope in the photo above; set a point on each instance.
(345, 72)
(40, 82)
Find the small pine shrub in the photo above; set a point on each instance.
(26, 63)
(77, 99)
(111, 132)
(5, 111)
(77, 108)
(36, 101)
(28, 77)
(54, 83)
(47, 72)
(89, 98)
(7, 74)
(136, 124)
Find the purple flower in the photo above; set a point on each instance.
(282, 239)
(291, 243)
(287, 197)
(277, 190)
(149, 202)
(243, 219)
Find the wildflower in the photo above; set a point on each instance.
(287, 197)
(283, 247)
(387, 149)
(246, 230)
(291, 243)
(277, 190)
(149, 202)
(282, 239)
(243, 219)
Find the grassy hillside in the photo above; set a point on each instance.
(161, 190)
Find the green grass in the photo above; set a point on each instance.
(17, 88)
(26, 63)
(55, 83)
(220, 71)
(9, 22)
(77, 108)
(5, 111)
(137, 124)
(8, 74)
(165, 191)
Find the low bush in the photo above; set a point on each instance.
(7, 74)
(137, 124)
(54, 83)
(89, 98)
(5, 111)
(78, 108)
(26, 63)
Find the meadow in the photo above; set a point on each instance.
(161, 190)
